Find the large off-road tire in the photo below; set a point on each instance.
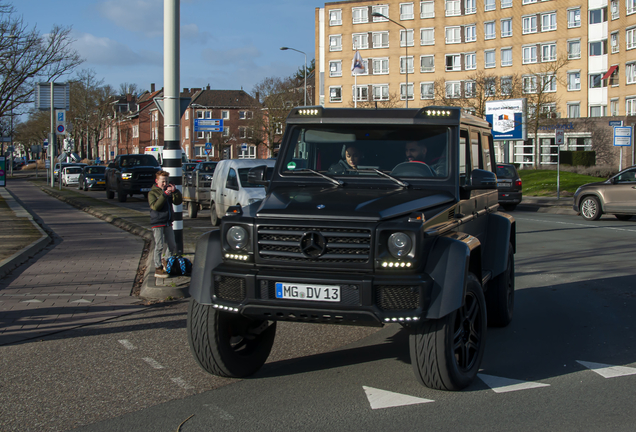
(623, 217)
(121, 195)
(227, 344)
(446, 353)
(509, 207)
(85, 187)
(590, 208)
(214, 218)
(109, 193)
(500, 296)
(193, 210)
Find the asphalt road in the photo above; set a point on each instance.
(567, 362)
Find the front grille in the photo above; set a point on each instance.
(397, 297)
(312, 244)
(349, 293)
(229, 288)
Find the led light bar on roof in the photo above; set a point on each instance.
(438, 113)
(308, 111)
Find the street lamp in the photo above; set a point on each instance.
(288, 48)
(406, 47)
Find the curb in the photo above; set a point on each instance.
(17, 259)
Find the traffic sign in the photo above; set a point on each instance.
(60, 121)
(61, 129)
(208, 146)
(622, 136)
(46, 143)
(244, 147)
(208, 125)
(559, 137)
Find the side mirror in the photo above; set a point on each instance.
(482, 179)
(258, 175)
(612, 180)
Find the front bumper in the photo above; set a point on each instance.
(96, 184)
(136, 187)
(510, 197)
(365, 299)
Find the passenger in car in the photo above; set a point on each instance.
(352, 156)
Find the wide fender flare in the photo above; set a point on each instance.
(448, 263)
(501, 234)
(207, 256)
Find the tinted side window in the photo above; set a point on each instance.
(232, 181)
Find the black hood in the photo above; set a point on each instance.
(347, 203)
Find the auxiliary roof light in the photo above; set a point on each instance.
(438, 113)
(311, 111)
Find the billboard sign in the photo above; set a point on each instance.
(508, 119)
(3, 172)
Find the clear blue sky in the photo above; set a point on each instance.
(226, 44)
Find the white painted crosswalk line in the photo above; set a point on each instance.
(379, 399)
(152, 362)
(608, 371)
(126, 343)
(504, 385)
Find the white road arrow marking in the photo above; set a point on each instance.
(608, 371)
(385, 399)
(504, 385)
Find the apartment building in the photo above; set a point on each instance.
(432, 50)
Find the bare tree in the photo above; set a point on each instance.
(127, 88)
(27, 57)
(84, 102)
(34, 130)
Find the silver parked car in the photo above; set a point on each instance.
(616, 195)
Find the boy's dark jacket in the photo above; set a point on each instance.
(161, 213)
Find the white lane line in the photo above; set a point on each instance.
(181, 383)
(126, 343)
(31, 301)
(576, 224)
(152, 362)
(80, 301)
(504, 385)
(608, 371)
(220, 412)
(379, 399)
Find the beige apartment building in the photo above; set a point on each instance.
(444, 43)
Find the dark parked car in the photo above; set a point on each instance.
(616, 195)
(130, 174)
(187, 172)
(92, 177)
(509, 186)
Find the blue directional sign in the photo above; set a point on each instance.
(208, 125)
(622, 136)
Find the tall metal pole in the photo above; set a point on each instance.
(172, 114)
(52, 138)
(406, 46)
(305, 79)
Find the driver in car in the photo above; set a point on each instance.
(416, 151)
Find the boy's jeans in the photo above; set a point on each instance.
(163, 235)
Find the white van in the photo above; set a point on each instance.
(230, 186)
(157, 152)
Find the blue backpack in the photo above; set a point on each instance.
(178, 265)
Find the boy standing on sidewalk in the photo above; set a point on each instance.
(161, 198)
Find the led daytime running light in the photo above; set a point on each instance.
(392, 264)
(401, 319)
(237, 257)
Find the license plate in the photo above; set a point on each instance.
(101, 182)
(295, 291)
(504, 182)
(145, 189)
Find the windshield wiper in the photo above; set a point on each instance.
(337, 182)
(383, 174)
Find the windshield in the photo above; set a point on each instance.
(243, 176)
(95, 170)
(504, 171)
(352, 150)
(73, 170)
(139, 160)
(208, 167)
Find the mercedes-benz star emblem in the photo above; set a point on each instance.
(313, 244)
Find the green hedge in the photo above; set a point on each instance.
(578, 158)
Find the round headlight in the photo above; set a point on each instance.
(400, 244)
(237, 237)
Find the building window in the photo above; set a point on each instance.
(335, 17)
(490, 87)
(630, 38)
(226, 131)
(406, 37)
(453, 7)
(453, 35)
(529, 24)
(549, 83)
(596, 81)
(506, 27)
(335, 43)
(489, 5)
(597, 111)
(361, 93)
(248, 153)
(335, 94)
(574, 49)
(200, 135)
(529, 54)
(335, 68)
(187, 115)
(245, 132)
(489, 30)
(360, 15)
(574, 80)
(630, 106)
(453, 89)
(506, 4)
(427, 63)
(453, 62)
(427, 90)
(506, 57)
(469, 7)
(506, 85)
(470, 33)
(380, 92)
(360, 41)
(615, 12)
(380, 66)
(469, 89)
(427, 36)
(524, 2)
(630, 6)
(614, 42)
(470, 61)
(489, 59)
(614, 107)
(598, 16)
(406, 11)
(383, 9)
(403, 89)
(380, 39)
(574, 110)
(598, 48)
(548, 22)
(208, 114)
(225, 115)
(135, 130)
(574, 18)
(187, 132)
(548, 52)
(200, 114)
(406, 62)
(245, 115)
(630, 73)
(427, 9)
(530, 84)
